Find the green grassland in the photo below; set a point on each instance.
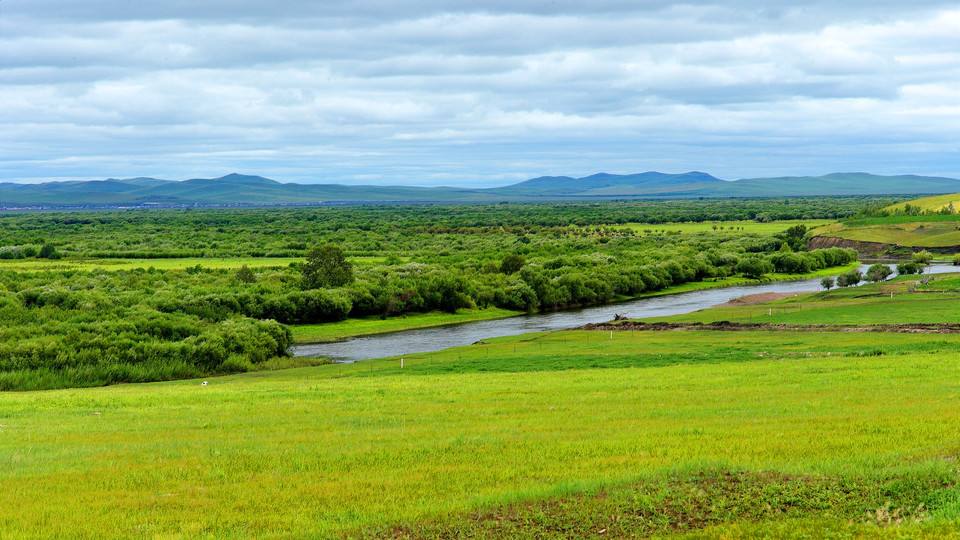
(913, 233)
(901, 301)
(730, 228)
(920, 227)
(566, 434)
(928, 204)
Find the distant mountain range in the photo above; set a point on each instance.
(238, 189)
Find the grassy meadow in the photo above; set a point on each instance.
(729, 228)
(915, 223)
(561, 434)
(901, 301)
(934, 203)
(928, 234)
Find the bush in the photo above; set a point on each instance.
(878, 272)
(245, 275)
(754, 267)
(849, 279)
(512, 264)
(906, 269)
(326, 266)
(48, 251)
(922, 257)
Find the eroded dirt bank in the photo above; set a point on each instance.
(875, 249)
(868, 249)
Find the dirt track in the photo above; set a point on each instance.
(726, 326)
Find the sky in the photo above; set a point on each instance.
(476, 93)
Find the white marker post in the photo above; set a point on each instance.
(401, 363)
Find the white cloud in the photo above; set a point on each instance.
(441, 91)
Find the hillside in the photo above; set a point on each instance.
(893, 235)
(237, 189)
(856, 183)
(932, 204)
(605, 185)
(903, 227)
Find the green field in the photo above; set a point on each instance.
(921, 227)
(928, 234)
(901, 301)
(730, 228)
(319, 333)
(928, 204)
(561, 434)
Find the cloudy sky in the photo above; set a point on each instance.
(428, 92)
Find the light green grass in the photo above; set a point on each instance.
(933, 231)
(335, 450)
(319, 333)
(901, 301)
(731, 228)
(162, 264)
(930, 204)
(945, 234)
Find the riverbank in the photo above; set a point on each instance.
(337, 331)
(739, 281)
(675, 301)
(315, 334)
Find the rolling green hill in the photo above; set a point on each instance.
(904, 231)
(915, 224)
(932, 204)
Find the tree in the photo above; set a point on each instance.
(48, 251)
(245, 275)
(827, 283)
(512, 264)
(794, 237)
(754, 267)
(850, 279)
(326, 266)
(878, 272)
(907, 268)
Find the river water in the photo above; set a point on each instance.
(438, 338)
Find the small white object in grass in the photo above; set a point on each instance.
(204, 383)
(401, 363)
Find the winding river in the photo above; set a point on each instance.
(438, 338)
